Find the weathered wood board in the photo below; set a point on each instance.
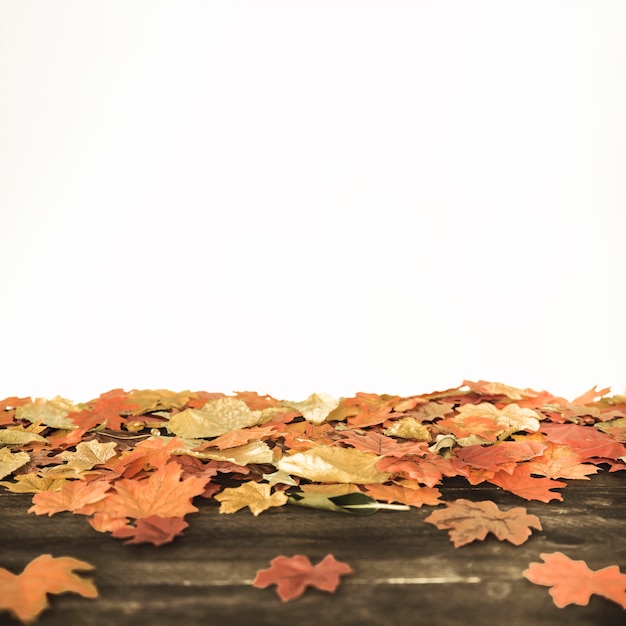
(406, 571)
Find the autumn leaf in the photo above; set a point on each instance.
(560, 461)
(163, 493)
(372, 441)
(572, 582)
(522, 484)
(330, 464)
(256, 496)
(470, 521)
(502, 456)
(409, 428)
(316, 408)
(24, 594)
(71, 496)
(498, 389)
(33, 483)
(53, 413)
(87, 455)
(292, 575)
(215, 418)
(413, 496)
(153, 529)
(10, 461)
(148, 400)
(585, 441)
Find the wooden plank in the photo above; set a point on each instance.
(406, 571)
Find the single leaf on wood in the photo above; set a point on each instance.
(24, 594)
(573, 582)
(256, 496)
(468, 521)
(153, 529)
(292, 575)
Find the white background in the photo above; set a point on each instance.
(301, 196)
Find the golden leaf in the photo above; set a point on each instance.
(87, 455)
(316, 408)
(10, 461)
(256, 496)
(52, 413)
(334, 465)
(254, 452)
(215, 418)
(15, 436)
(408, 428)
(33, 483)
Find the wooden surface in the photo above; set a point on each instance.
(406, 571)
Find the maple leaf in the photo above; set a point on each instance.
(468, 521)
(509, 420)
(24, 594)
(382, 445)
(498, 389)
(560, 461)
(33, 483)
(153, 529)
(148, 400)
(413, 495)
(292, 575)
(339, 465)
(162, 494)
(522, 484)
(256, 496)
(241, 436)
(154, 452)
(427, 471)
(502, 456)
(87, 455)
(573, 582)
(71, 496)
(585, 441)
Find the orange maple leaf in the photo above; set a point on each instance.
(25, 594)
(406, 495)
(468, 521)
(293, 575)
(560, 461)
(162, 494)
(154, 529)
(72, 496)
(573, 582)
(522, 484)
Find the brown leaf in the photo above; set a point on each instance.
(470, 521)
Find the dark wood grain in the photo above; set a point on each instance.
(406, 571)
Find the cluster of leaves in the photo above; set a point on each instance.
(133, 462)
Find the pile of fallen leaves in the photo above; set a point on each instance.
(133, 462)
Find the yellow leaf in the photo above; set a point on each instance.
(147, 400)
(408, 428)
(334, 465)
(33, 483)
(316, 408)
(87, 455)
(254, 452)
(215, 418)
(11, 437)
(52, 413)
(10, 461)
(256, 496)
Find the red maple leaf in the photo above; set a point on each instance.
(382, 445)
(406, 495)
(427, 471)
(502, 456)
(293, 575)
(522, 484)
(560, 461)
(153, 529)
(587, 442)
(573, 582)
